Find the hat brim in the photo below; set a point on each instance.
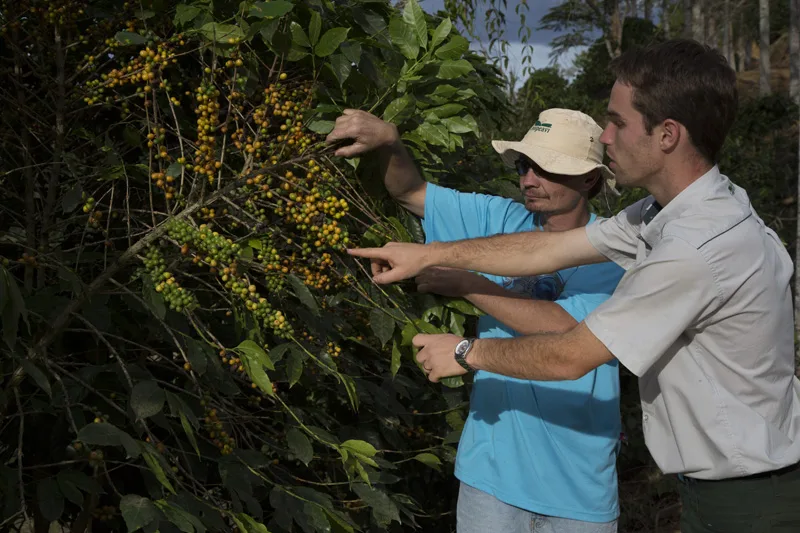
(552, 161)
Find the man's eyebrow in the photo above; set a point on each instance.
(613, 114)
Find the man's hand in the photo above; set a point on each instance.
(367, 131)
(437, 355)
(396, 261)
(446, 281)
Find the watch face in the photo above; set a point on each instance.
(461, 347)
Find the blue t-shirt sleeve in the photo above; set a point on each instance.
(451, 215)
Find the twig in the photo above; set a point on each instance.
(19, 455)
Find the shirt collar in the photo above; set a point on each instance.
(690, 197)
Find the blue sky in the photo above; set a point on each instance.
(540, 39)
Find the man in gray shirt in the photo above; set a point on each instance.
(703, 314)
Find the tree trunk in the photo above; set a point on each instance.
(763, 48)
(794, 50)
(697, 21)
(648, 9)
(710, 26)
(727, 47)
(617, 19)
(665, 13)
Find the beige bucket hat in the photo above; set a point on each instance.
(562, 141)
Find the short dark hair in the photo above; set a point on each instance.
(686, 81)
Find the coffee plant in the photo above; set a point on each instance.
(185, 345)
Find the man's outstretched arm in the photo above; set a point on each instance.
(516, 254)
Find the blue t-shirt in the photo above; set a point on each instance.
(549, 447)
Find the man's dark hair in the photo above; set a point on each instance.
(686, 81)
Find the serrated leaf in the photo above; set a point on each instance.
(185, 14)
(221, 33)
(382, 325)
(130, 38)
(397, 106)
(304, 294)
(50, 499)
(441, 32)
(331, 41)
(256, 353)
(453, 49)
(384, 509)
(403, 37)
(104, 434)
(450, 69)
(147, 399)
(397, 358)
(415, 17)
(314, 28)
(299, 36)
(274, 9)
(72, 199)
(300, 445)
(323, 127)
(429, 459)
(137, 511)
(38, 376)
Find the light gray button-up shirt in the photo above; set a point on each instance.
(704, 317)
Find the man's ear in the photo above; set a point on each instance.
(671, 132)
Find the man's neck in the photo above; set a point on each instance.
(673, 180)
(576, 218)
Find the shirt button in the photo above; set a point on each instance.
(645, 417)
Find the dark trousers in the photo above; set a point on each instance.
(764, 503)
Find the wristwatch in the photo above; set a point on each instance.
(461, 351)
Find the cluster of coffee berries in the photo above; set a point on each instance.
(216, 433)
(178, 298)
(207, 111)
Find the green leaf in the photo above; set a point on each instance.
(446, 110)
(296, 54)
(50, 499)
(104, 434)
(153, 299)
(331, 41)
(452, 382)
(435, 134)
(341, 67)
(351, 50)
(397, 106)
(294, 367)
(300, 445)
(185, 14)
(137, 511)
(453, 49)
(38, 376)
(180, 518)
(359, 447)
(157, 469)
(403, 37)
(72, 199)
(429, 459)
(382, 325)
(256, 372)
(256, 353)
(299, 36)
(415, 18)
(450, 69)
(316, 518)
(147, 399)
(371, 22)
(69, 490)
(396, 358)
(251, 525)
(187, 428)
(274, 9)
(441, 32)
(304, 294)
(350, 387)
(314, 28)
(383, 508)
(174, 170)
(323, 127)
(268, 30)
(196, 353)
(130, 38)
(463, 307)
(80, 480)
(459, 125)
(221, 33)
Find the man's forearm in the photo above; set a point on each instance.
(542, 357)
(520, 313)
(401, 177)
(517, 254)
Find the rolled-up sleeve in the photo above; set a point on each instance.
(617, 238)
(656, 301)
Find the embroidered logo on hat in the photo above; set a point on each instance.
(544, 127)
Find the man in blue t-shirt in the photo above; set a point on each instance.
(534, 455)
